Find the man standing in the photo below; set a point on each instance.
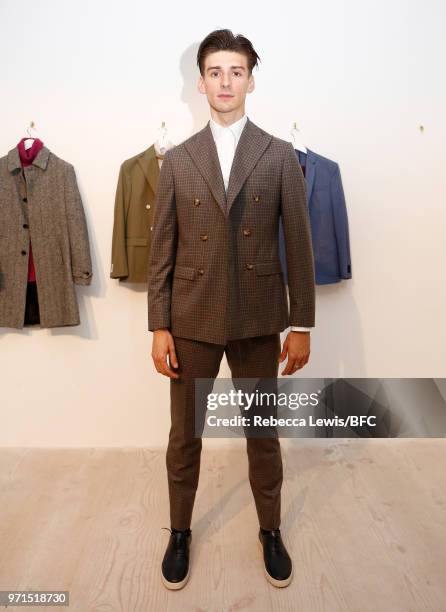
(216, 285)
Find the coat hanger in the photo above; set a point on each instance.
(297, 139)
(29, 141)
(162, 143)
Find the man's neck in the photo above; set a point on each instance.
(227, 119)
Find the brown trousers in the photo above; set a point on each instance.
(247, 358)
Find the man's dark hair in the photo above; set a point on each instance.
(224, 40)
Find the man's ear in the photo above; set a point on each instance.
(200, 85)
(251, 84)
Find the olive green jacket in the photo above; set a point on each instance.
(133, 217)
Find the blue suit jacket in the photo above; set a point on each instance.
(328, 219)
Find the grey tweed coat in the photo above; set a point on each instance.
(215, 272)
(41, 202)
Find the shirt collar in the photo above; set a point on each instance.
(236, 128)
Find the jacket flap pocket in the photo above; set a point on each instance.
(184, 272)
(268, 267)
(136, 241)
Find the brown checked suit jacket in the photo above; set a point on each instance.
(215, 272)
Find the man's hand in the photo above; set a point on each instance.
(163, 345)
(297, 345)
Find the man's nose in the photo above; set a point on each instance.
(225, 81)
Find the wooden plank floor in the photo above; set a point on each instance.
(364, 521)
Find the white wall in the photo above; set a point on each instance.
(358, 77)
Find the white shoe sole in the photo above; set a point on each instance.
(175, 586)
(271, 580)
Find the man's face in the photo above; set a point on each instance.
(226, 80)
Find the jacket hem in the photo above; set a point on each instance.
(326, 280)
(223, 341)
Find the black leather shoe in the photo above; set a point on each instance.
(175, 565)
(278, 565)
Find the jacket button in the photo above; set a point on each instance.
(200, 271)
(197, 202)
(23, 252)
(256, 198)
(147, 206)
(249, 266)
(25, 226)
(247, 232)
(204, 237)
(25, 199)
(151, 228)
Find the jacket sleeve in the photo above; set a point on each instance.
(119, 264)
(298, 244)
(341, 224)
(162, 253)
(77, 231)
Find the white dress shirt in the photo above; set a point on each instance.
(226, 140)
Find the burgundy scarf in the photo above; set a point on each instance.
(27, 157)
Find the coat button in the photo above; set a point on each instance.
(247, 232)
(23, 252)
(151, 228)
(249, 266)
(200, 271)
(256, 198)
(147, 206)
(197, 202)
(25, 199)
(204, 237)
(25, 226)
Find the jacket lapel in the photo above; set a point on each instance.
(310, 172)
(149, 165)
(251, 146)
(203, 151)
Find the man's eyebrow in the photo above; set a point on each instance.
(219, 68)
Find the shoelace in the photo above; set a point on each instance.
(177, 530)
